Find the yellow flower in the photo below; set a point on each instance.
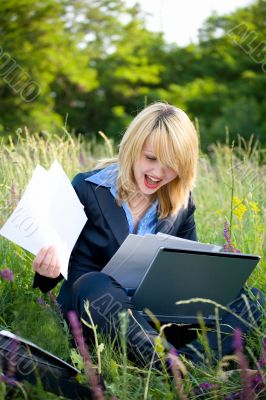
(239, 209)
(219, 212)
(114, 366)
(159, 345)
(254, 206)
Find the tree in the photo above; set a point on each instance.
(36, 50)
(127, 58)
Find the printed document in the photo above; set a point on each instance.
(49, 213)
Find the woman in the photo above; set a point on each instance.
(146, 189)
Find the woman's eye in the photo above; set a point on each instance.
(151, 158)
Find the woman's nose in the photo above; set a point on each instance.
(158, 170)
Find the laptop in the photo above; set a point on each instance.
(176, 275)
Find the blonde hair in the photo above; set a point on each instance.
(175, 144)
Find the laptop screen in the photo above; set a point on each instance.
(182, 275)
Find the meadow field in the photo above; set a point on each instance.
(229, 195)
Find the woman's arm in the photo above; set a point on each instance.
(188, 228)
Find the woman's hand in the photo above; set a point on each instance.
(47, 262)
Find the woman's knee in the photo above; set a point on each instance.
(90, 284)
(96, 288)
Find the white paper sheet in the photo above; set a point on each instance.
(49, 213)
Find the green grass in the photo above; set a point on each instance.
(231, 187)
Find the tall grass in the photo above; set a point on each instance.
(231, 187)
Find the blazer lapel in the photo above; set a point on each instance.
(169, 224)
(117, 220)
(114, 215)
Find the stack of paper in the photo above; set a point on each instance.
(133, 258)
(49, 213)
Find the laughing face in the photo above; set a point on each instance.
(150, 175)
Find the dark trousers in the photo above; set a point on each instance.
(107, 299)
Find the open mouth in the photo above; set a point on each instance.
(151, 182)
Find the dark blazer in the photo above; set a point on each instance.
(106, 229)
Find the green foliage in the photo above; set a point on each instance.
(36, 46)
(94, 64)
(236, 174)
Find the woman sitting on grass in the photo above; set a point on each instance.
(146, 189)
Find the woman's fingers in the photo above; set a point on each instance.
(47, 263)
(37, 262)
(54, 266)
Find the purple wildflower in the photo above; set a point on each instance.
(9, 376)
(247, 391)
(262, 359)
(12, 360)
(54, 302)
(52, 298)
(229, 245)
(206, 385)
(172, 357)
(7, 274)
(93, 380)
(257, 380)
(42, 302)
(176, 367)
(238, 340)
(6, 379)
